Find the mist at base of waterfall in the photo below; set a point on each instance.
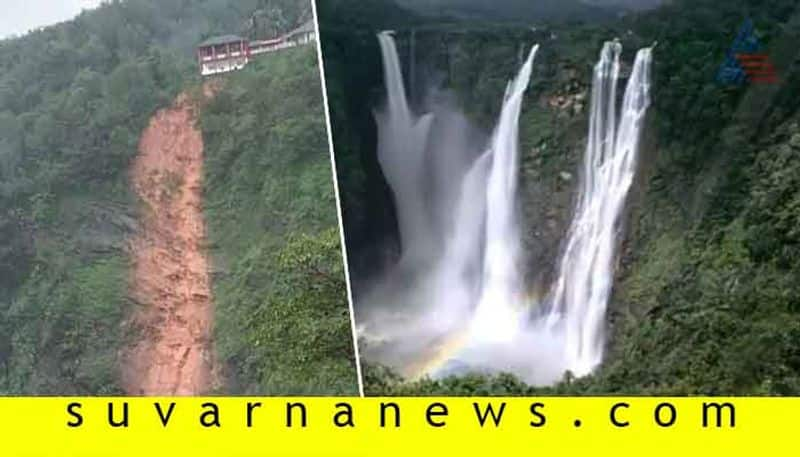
(533, 355)
(416, 340)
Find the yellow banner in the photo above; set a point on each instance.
(408, 427)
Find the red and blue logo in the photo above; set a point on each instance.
(745, 62)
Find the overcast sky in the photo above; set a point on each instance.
(20, 16)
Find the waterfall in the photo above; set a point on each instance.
(498, 314)
(456, 299)
(402, 140)
(458, 277)
(586, 271)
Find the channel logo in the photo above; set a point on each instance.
(746, 62)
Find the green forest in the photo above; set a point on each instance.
(706, 297)
(282, 318)
(74, 99)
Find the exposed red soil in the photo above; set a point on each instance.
(172, 353)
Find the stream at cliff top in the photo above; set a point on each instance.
(456, 301)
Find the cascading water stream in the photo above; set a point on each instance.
(586, 271)
(499, 311)
(402, 156)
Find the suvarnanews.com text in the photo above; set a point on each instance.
(483, 413)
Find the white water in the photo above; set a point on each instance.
(456, 299)
(498, 315)
(586, 272)
(401, 153)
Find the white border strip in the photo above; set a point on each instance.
(338, 200)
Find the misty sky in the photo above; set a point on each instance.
(20, 16)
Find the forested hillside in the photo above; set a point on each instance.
(282, 319)
(74, 99)
(706, 297)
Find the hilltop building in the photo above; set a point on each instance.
(230, 52)
(223, 54)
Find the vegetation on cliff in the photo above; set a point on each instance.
(282, 319)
